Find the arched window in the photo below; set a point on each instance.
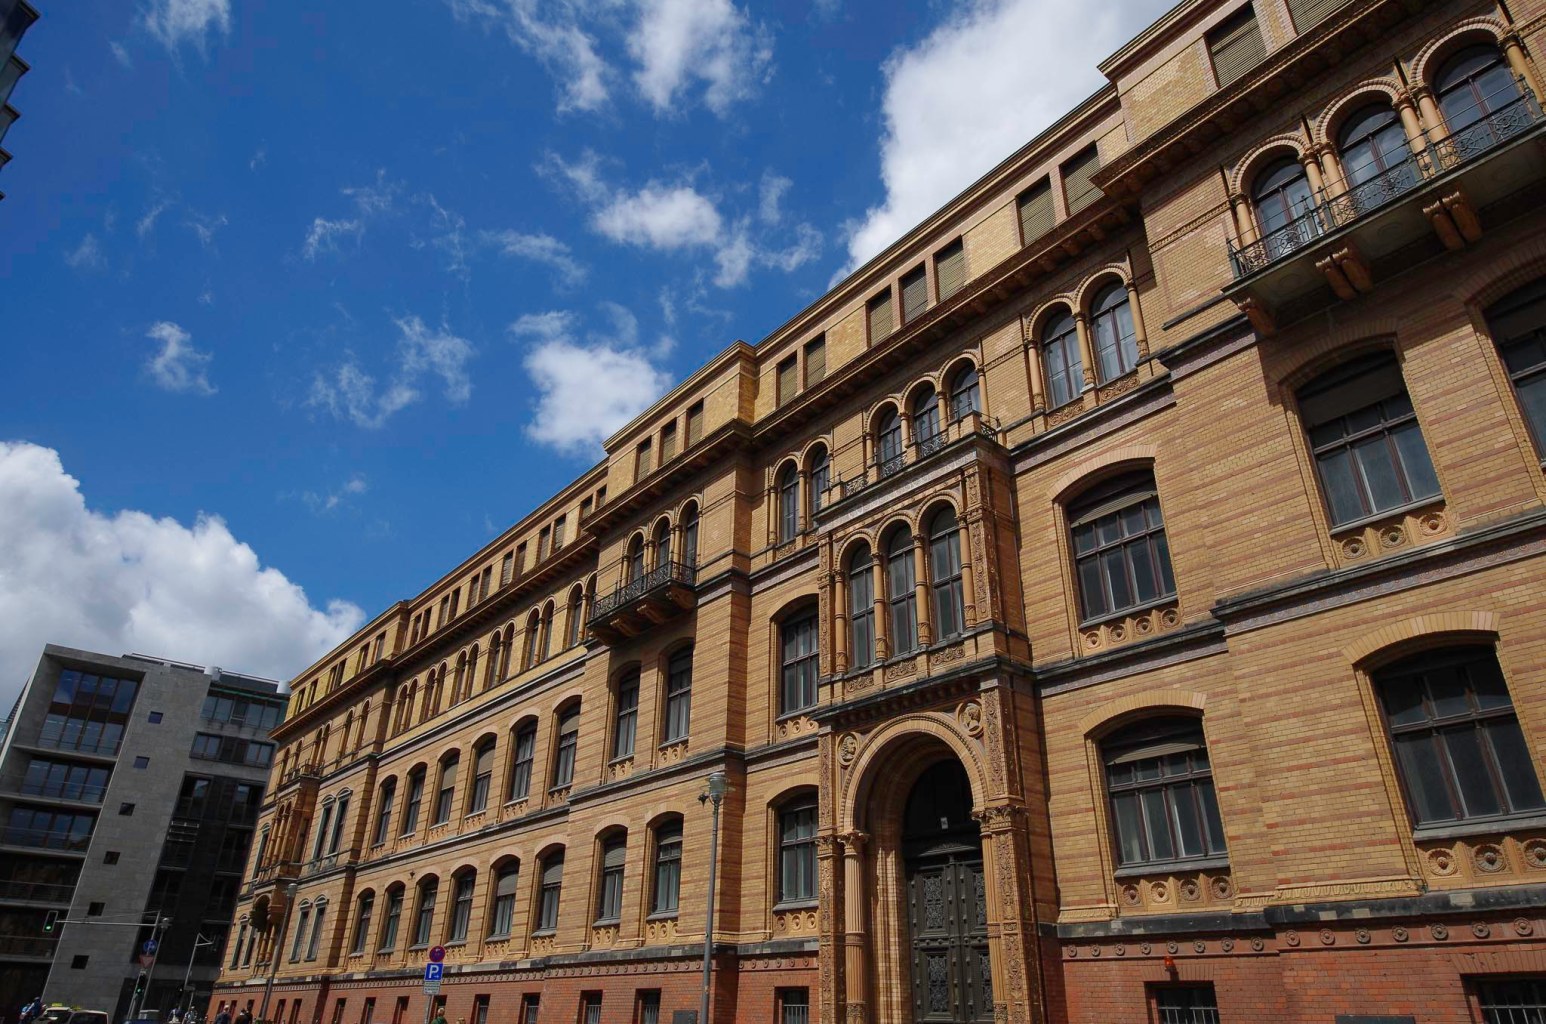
(1368, 447)
(1060, 356)
(1371, 143)
(445, 791)
(482, 777)
(574, 619)
(462, 886)
(236, 947)
(888, 443)
(533, 639)
(945, 573)
(506, 651)
(547, 632)
(820, 478)
(472, 671)
(424, 914)
(797, 852)
(1459, 749)
(1116, 343)
(391, 920)
(678, 695)
(609, 893)
(1121, 555)
(861, 607)
(668, 867)
(1518, 325)
(496, 657)
(901, 593)
(690, 535)
(635, 561)
(787, 490)
(385, 796)
(1472, 84)
(460, 680)
(502, 915)
(661, 543)
(1280, 194)
(798, 663)
(1160, 785)
(550, 892)
(525, 756)
(324, 827)
(335, 837)
(319, 913)
(568, 745)
(301, 924)
(625, 716)
(363, 908)
(964, 396)
(924, 412)
(412, 801)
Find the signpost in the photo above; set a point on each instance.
(434, 971)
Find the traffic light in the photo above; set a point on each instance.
(50, 922)
(139, 985)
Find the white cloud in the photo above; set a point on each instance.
(321, 504)
(323, 235)
(770, 193)
(147, 223)
(87, 255)
(587, 388)
(676, 41)
(178, 366)
(121, 54)
(126, 581)
(349, 392)
(175, 22)
(659, 217)
(553, 35)
(259, 158)
(539, 248)
(377, 197)
(978, 88)
(205, 227)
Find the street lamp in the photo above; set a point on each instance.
(199, 941)
(714, 793)
(273, 950)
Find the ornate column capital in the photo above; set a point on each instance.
(1000, 817)
(853, 842)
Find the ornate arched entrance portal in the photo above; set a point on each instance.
(947, 900)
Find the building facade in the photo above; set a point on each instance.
(1118, 601)
(16, 16)
(129, 791)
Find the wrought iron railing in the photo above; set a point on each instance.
(661, 576)
(911, 455)
(1327, 212)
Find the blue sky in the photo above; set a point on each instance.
(306, 301)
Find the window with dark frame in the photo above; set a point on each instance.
(1186, 1004)
(568, 744)
(1079, 188)
(965, 397)
(1116, 341)
(901, 592)
(625, 719)
(649, 1006)
(391, 919)
(797, 853)
(1037, 215)
(794, 1005)
(668, 868)
(888, 443)
(861, 608)
(480, 1009)
(1062, 361)
(364, 906)
(1371, 142)
(950, 269)
(520, 768)
(482, 777)
(1121, 555)
(502, 919)
(1473, 84)
(820, 479)
(878, 317)
(694, 424)
(424, 915)
(446, 792)
(590, 1006)
(924, 415)
(1160, 786)
(1518, 325)
(915, 294)
(1368, 447)
(314, 946)
(667, 442)
(800, 664)
(679, 696)
(461, 906)
(1235, 46)
(1511, 1000)
(1459, 750)
(788, 379)
(550, 892)
(690, 536)
(414, 799)
(948, 603)
(786, 491)
(815, 360)
(609, 902)
(530, 1004)
(641, 460)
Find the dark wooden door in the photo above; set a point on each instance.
(947, 910)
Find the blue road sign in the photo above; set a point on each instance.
(434, 972)
(149, 948)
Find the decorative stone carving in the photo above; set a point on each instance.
(1120, 950)
(1328, 938)
(1535, 853)
(673, 752)
(847, 750)
(1399, 933)
(902, 669)
(1441, 862)
(1189, 890)
(1362, 935)
(969, 715)
(1489, 858)
(1145, 948)
(1172, 948)
(1523, 926)
(955, 652)
(1257, 944)
(1129, 895)
(1438, 931)
(1481, 930)
(620, 769)
(1161, 893)
(660, 932)
(1227, 944)
(1291, 937)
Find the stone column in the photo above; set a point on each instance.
(839, 622)
(1245, 220)
(1514, 53)
(1312, 172)
(1013, 941)
(1140, 331)
(1428, 110)
(921, 591)
(1086, 348)
(882, 618)
(1406, 109)
(1033, 371)
(968, 570)
(855, 938)
(1336, 180)
(829, 957)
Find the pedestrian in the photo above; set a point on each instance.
(245, 1017)
(440, 1015)
(222, 1016)
(176, 1016)
(31, 1010)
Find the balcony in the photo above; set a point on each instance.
(36, 892)
(1344, 241)
(20, 947)
(970, 425)
(661, 594)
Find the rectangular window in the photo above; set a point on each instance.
(446, 793)
(878, 316)
(461, 906)
(694, 428)
(915, 295)
(591, 1008)
(87, 713)
(520, 559)
(368, 1014)
(480, 1009)
(950, 269)
(609, 905)
(797, 687)
(424, 919)
(1078, 171)
(506, 568)
(558, 532)
(530, 1004)
(649, 1006)
(315, 944)
(550, 894)
(625, 726)
(668, 442)
(542, 543)
(1185, 1004)
(411, 805)
(788, 379)
(504, 904)
(1517, 1000)
(300, 934)
(1235, 46)
(520, 769)
(1036, 212)
(668, 869)
(815, 360)
(797, 854)
(394, 916)
(585, 508)
(641, 460)
(794, 1006)
(1309, 13)
(1121, 554)
(568, 744)
(679, 696)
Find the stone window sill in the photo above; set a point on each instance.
(1484, 826)
(1170, 867)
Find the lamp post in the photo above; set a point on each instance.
(273, 951)
(713, 794)
(199, 941)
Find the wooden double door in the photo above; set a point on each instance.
(947, 911)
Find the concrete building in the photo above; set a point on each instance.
(1120, 600)
(129, 789)
(16, 16)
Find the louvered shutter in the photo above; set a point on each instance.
(1309, 13)
(950, 269)
(880, 316)
(788, 375)
(694, 424)
(1036, 213)
(1236, 47)
(915, 294)
(1079, 190)
(815, 361)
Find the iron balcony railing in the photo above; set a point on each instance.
(657, 578)
(1326, 213)
(910, 455)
